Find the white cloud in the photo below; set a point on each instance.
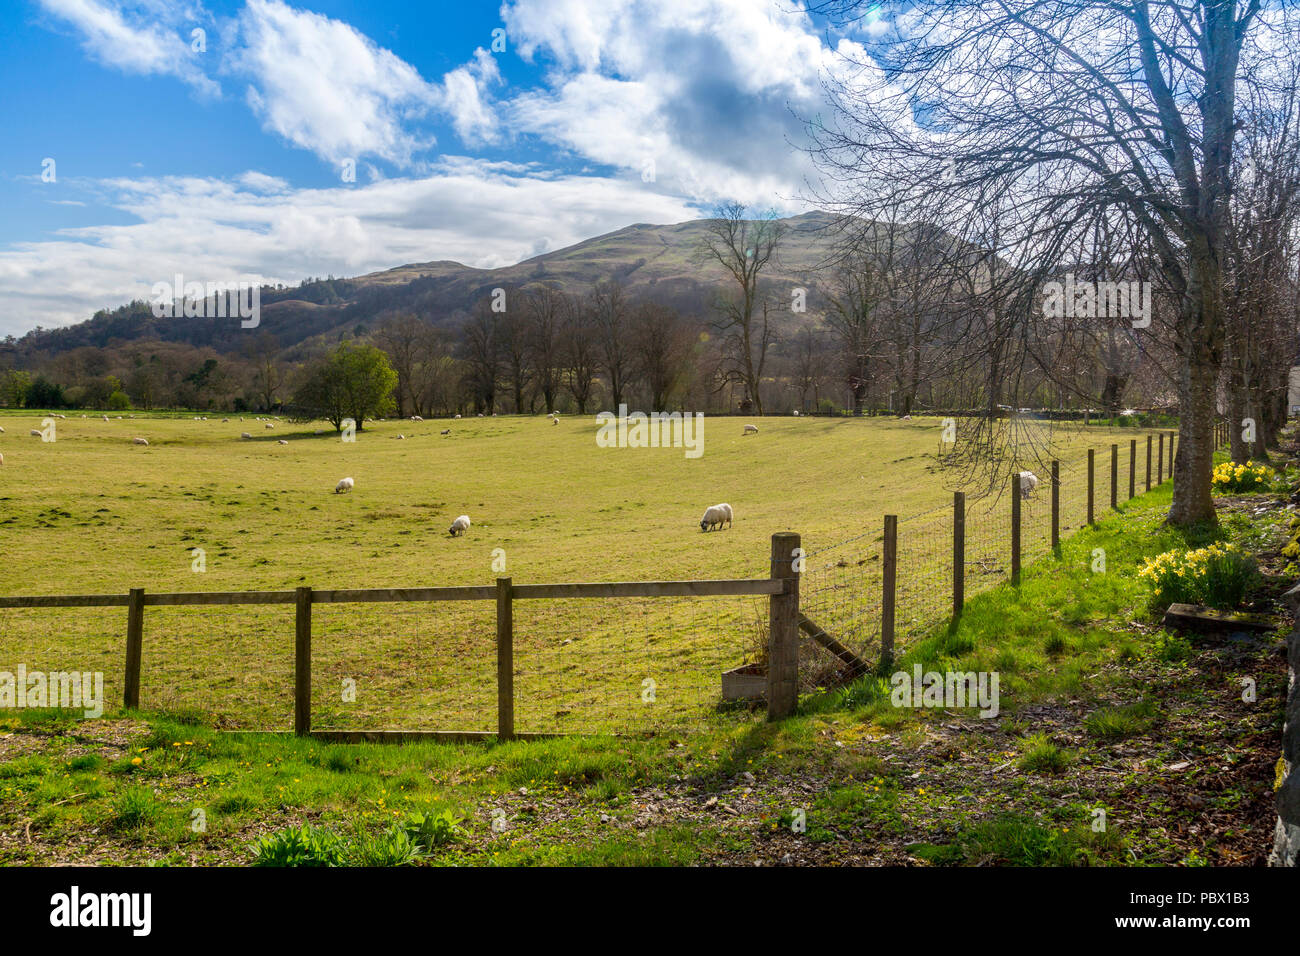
(323, 86)
(146, 38)
(482, 214)
(712, 91)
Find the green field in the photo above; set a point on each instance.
(93, 513)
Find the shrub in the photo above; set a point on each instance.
(300, 846)
(429, 830)
(1231, 477)
(393, 847)
(1219, 575)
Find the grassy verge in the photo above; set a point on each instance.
(1104, 719)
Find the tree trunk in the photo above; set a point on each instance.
(1194, 460)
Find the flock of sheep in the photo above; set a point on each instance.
(714, 519)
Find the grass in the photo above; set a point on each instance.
(875, 783)
(91, 513)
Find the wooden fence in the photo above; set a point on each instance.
(785, 619)
(782, 588)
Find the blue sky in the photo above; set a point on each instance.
(230, 161)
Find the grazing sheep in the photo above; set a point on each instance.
(139, 441)
(282, 442)
(1028, 483)
(796, 413)
(459, 526)
(416, 418)
(105, 418)
(401, 436)
(445, 431)
(458, 416)
(555, 421)
(345, 484)
(2, 459)
(750, 430)
(269, 425)
(245, 435)
(2, 431)
(35, 433)
(715, 516)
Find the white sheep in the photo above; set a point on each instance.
(2, 459)
(1028, 483)
(269, 425)
(445, 431)
(716, 516)
(458, 416)
(416, 418)
(459, 526)
(35, 432)
(796, 413)
(105, 418)
(139, 441)
(750, 430)
(282, 442)
(2, 431)
(245, 435)
(555, 421)
(345, 484)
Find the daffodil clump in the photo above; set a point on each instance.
(1231, 477)
(1218, 575)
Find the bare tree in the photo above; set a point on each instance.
(609, 310)
(662, 342)
(1059, 113)
(744, 247)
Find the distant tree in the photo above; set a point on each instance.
(42, 393)
(480, 341)
(609, 312)
(353, 381)
(744, 247)
(13, 387)
(268, 371)
(580, 351)
(662, 345)
(545, 309)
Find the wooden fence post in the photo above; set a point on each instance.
(1132, 468)
(134, 648)
(889, 591)
(1160, 459)
(1148, 463)
(1092, 461)
(505, 660)
(783, 629)
(1056, 505)
(1171, 455)
(1015, 529)
(1114, 477)
(302, 662)
(958, 553)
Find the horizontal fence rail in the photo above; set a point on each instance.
(782, 588)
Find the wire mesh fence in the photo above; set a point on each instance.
(842, 587)
(37, 645)
(417, 666)
(626, 664)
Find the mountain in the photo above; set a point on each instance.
(654, 262)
